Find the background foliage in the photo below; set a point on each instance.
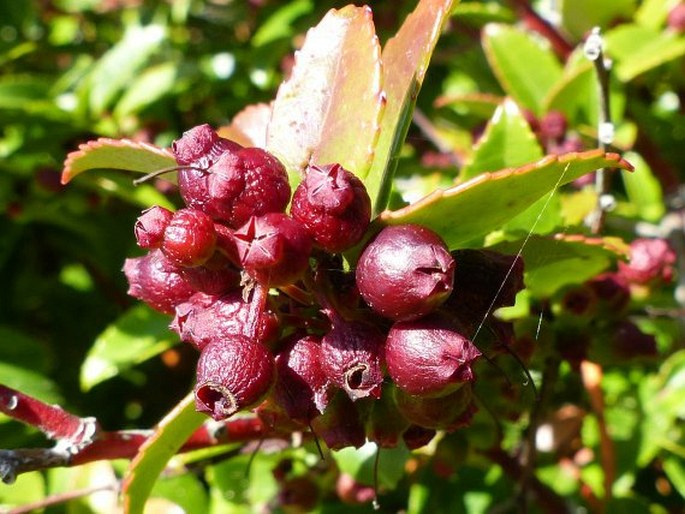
(74, 70)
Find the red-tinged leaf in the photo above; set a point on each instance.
(557, 261)
(405, 61)
(116, 154)
(329, 109)
(154, 454)
(248, 127)
(465, 213)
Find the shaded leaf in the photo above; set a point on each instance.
(168, 437)
(638, 49)
(507, 142)
(479, 104)
(643, 189)
(526, 69)
(469, 211)
(554, 262)
(328, 110)
(30, 383)
(116, 154)
(359, 463)
(405, 61)
(138, 335)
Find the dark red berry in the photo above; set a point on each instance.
(157, 282)
(332, 203)
(200, 147)
(204, 319)
(274, 249)
(553, 126)
(651, 261)
(150, 226)
(243, 183)
(416, 437)
(676, 18)
(385, 423)
(429, 356)
(217, 276)
(232, 374)
(298, 495)
(405, 272)
(302, 387)
(352, 358)
(579, 301)
(445, 413)
(629, 342)
(189, 238)
(341, 424)
(352, 492)
(613, 294)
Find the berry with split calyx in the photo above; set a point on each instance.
(150, 226)
(200, 146)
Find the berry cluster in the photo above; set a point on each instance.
(382, 352)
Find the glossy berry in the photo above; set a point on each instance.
(204, 319)
(150, 226)
(352, 358)
(274, 249)
(232, 374)
(303, 390)
(405, 272)
(157, 281)
(429, 356)
(240, 184)
(445, 413)
(416, 437)
(189, 238)
(200, 147)
(332, 203)
(217, 276)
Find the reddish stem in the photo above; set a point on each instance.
(52, 420)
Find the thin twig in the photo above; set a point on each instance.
(538, 24)
(56, 499)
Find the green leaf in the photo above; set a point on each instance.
(359, 463)
(525, 68)
(20, 349)
(329, 109)
(638, 49)
(280, 24)
(138, 335)
(643, 189)
(467, 212)
(116, 154)
(153, 84)
(480, 13)
(580, 16)
(653, 13)
(119, 66)
(29, 382)
(405, 61)
(675, 470)
(28, 488)
(169, 436)
(185, 490)
(554, 262)
(507, 142)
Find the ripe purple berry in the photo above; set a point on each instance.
(274, 249)
(651, 261)
(232, 374)
(340, 425)
(156, 281)
(429, 356)
(405, 272)
(332, 203)
(302, 389)
(240, 184)
(352, 358)
(150, 226)
(189, 238)
(200, 147)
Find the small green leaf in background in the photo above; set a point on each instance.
(526, 69)
(139, 334)
(552, 263)
(359, 463)
(653, 13)
(643, 189)
(580, 16)
(154, 454)
(329, 109)
(405, 62)
(152, 84)
(638, 49)
(184, 490)
(119, 66)
(507, 142)
(28, 488)
(280, 24)
(116, 154)
(471, 210)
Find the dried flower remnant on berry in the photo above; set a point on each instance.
(150, 226)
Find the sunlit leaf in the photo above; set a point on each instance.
(249, 126)
(153, 84)
(526, 69)
(329, 109)
(359, 463)
(154, 454)
(643, 189)
(580, 16)
(470, 210)
(116, 154)
(405, 62)
(138, 335)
